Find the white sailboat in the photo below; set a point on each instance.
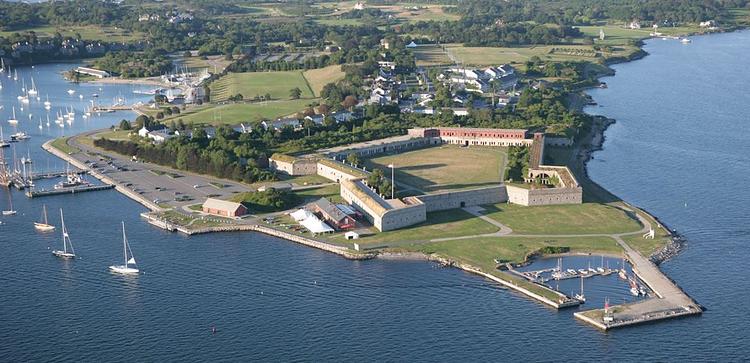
(2, 65)
(10, 211)
(66, 242)
(15, 75)
(33, 91)
(71, 92)
(47, 120)
(3, 143)
(40, 124)
(581, 297)
(125, 269)
(47, 103)
(13, 120)
(44, 225)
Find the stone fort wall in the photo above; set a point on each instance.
(549, 196)
(464, 198)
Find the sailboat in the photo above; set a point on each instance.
(2, 65)
(33, 91)
(44, 225)
(40, 124)
(15, 75)
(47, 103)
(581, 297)
(10, 211)
(125, 269)
(3, 143)
(47, 120)
(66, 242)
(13, 120)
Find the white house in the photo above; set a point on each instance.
(159, 136)
(143, 132)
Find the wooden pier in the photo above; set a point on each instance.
(71, 190)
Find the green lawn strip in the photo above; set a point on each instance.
(587, 218)
(62, 145)
(443, 224)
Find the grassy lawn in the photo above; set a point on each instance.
(443, 224)
(114, 135)
(648, 246)
(251, 84)
(431, 56)
(614, 34)
(233, 114)
(329, 191)
(62, 145)
(588, 218)
(318, 78)
(445, 167)
(88, 32)
(482, 252)
(482, 56)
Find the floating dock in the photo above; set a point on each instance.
(71, 190)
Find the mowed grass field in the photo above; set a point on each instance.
(486, 56)
(587, 218)
(445, 167)
(88, 32)
(250, 84)
(233, 114)
(614, 34)
(482, 251)
(318, 78)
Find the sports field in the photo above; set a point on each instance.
(445, 167)
(250, 84)
(88, 32)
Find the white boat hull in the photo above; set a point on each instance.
(125, 270)
(44, 227)
(9, 212)
(63, 254)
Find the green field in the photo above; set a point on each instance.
(88, 32)
(114, 135)
(614, 34)
(443, 224)
(318, 78)
(233, 114)
(587, 218)
(498, 55)
(250, 84)
(445, 167)
(482, 251)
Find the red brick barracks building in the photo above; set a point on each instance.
(468, 136)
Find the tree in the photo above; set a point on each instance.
(159, 98)
(295, 93)
(324, 109)
(125, 125)
(159, 115)
(349, 102)
(352, 159)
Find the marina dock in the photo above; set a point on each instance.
(71, 190)
(670, 300)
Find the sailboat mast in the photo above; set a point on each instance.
(64, 231)
(124, 244)
(44, 213)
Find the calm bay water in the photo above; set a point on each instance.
(677, 150)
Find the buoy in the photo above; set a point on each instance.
(213, 330)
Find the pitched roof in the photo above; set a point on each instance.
(219, 204)
(329, 209)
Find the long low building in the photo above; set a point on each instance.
(224, 208)
(469, 136)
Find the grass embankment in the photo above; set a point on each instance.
(114, 135)
(233, 114)
(250, 84)
(446, 167)
(587, 218)
(647, 246)
(62, 145)
(443, 224)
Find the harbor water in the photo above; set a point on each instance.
(678, 149)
